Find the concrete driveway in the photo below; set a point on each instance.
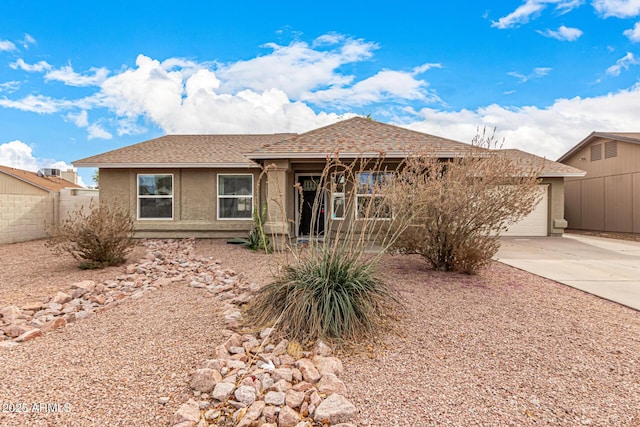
(607, 268)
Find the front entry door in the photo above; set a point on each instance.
(310, 185)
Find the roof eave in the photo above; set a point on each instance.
(593, 135)
(184, 165)
(562, 174)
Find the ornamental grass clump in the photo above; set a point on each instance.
(329, 287)
(98, 237)
(330, 295)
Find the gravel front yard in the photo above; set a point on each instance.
(501, 348)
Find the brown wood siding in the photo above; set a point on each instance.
(573, 203)
(593, 204)
(608, 197)
(618, 213)
(636, 202)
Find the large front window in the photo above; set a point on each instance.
(155, 196)
(235, 196)
(370, 202)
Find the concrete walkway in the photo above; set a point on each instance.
(607, 268)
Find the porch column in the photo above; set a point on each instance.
(277, 198)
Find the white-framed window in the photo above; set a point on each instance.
(370, 202)
(338, 200)
(155, 196)
(235, 196)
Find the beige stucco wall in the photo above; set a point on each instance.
(194, 202)
(608, 197)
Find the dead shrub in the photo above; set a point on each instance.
(98, 237)
(461, 204)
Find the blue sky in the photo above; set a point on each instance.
(80, 78)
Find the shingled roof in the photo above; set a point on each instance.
(358, 137)
(351, 138)
(632, 137)
(48, 183)
(548, 168)
(184, 151)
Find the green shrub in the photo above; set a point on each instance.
(98, 236)
(327, 294)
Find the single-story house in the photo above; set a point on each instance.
(608, 197)
(29, 199)
(207, 185)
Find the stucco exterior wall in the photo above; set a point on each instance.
(608, 197)
(194, 202)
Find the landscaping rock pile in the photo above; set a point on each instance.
(249, 382)
(165, 262)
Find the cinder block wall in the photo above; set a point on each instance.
(72, 199)
(23, 217)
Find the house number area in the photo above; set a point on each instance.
(35, 407)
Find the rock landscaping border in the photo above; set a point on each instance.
(249, 381)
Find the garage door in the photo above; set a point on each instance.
(536, 223)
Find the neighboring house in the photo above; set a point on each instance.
(29, 199)
(608, 197)
(207, 185)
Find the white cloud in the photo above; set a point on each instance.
(36, 104)
(10, 86)
(531, 9)
(17, 154)
(563, 33)
(27, 40)
(536, 73)
(6, 45)
(624, 62)
(549, 131)
(194, 105)
(328, 39)
(71, 78)
(425, 67)
(386, 85)
(80, 119)
(617, 8)
(38, 67)
(634, 33)
(296, 68)
(97, 132)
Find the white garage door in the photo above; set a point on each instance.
(536, 223)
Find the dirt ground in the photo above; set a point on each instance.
(504, 347)
(30, 272)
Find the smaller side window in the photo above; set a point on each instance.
(596, 152)
(235, 196)
(337, 196)
(155, 196)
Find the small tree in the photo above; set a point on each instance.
(98, 236)
(461, 205)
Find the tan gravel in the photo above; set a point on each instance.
(31, 272)
(501, 348)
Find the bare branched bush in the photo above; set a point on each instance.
(97, 237)
(329, 287)
(462, 204)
